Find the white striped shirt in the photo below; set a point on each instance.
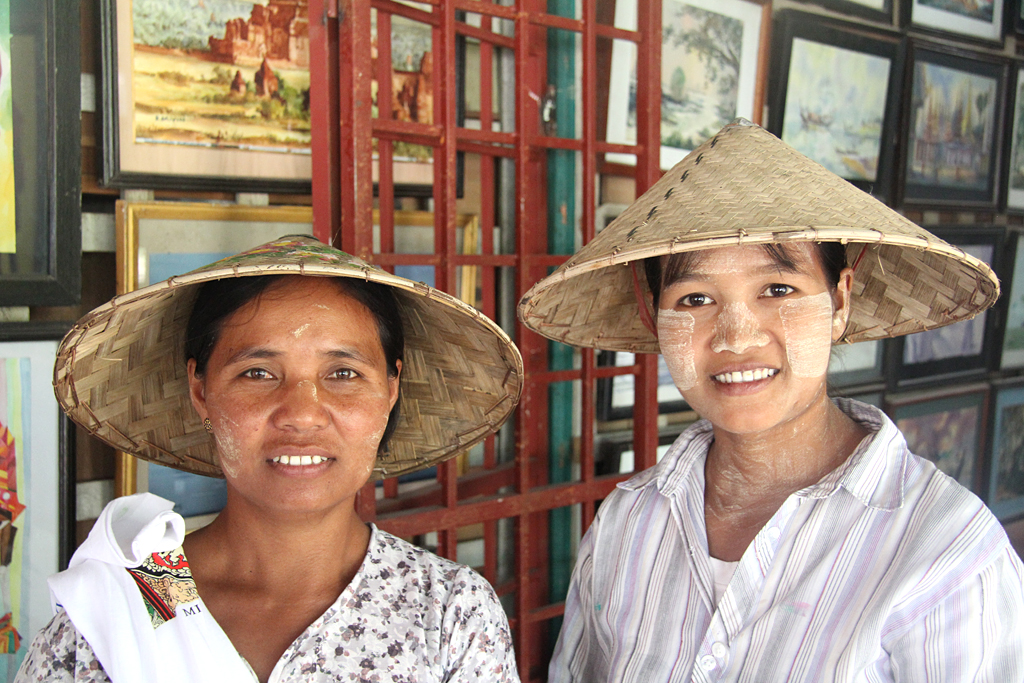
(885, 570)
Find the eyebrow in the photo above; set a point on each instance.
(695, 274)
(262, 353)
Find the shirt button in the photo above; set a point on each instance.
(774, 533)
(708, 663)
(719, 650)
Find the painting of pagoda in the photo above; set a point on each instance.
(221, 73)
(952, 128)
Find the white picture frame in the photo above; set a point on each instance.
(750, 74)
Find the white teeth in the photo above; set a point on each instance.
(745, 376)
(298, 460)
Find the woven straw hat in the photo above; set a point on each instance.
(121, 374)
(745, 186)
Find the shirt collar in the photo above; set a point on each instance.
(875, 474)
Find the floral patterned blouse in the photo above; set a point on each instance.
(407, 616)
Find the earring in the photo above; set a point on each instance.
(208, 425)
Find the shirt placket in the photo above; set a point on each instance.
(714, 660)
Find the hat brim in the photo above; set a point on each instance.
(746, 187)
(121, 372)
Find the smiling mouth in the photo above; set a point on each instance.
(299, 460)
(739, 377)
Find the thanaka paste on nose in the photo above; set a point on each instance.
(675, 336)
(737, 329)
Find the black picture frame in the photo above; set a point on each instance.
(931, 119)
(615, 394)
(1013, 160)
(1011, 304)
(1015, 17)
(815, 57)
(948, 426)
(961, 349)
(610, 448)
(45, 268)
(1005, 475)
(950, 19)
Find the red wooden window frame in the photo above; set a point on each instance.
(341, 72)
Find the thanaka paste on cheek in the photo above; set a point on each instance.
(737, 329)
(229, 450)
(675, 336)
(807, 323)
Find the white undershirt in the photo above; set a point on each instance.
(722, 574)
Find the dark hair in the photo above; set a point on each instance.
(831, 255)
(218, 299)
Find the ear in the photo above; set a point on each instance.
(394, 385)
(196, 390)
(842, 304)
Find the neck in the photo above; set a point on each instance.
(269, 550)
(744, 469)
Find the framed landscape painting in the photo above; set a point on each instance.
(837, 99)
(1015, 159)
(980, 20)
(954, 128)
(712, 72)
(206, 95)
(961, 348)
(946, 428)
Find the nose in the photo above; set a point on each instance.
(737, 330)
(300, 407)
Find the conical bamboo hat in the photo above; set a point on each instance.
(745, 186)
(120, 371)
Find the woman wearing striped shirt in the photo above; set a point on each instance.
(786, 536)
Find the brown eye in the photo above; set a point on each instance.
(778, 290)
(695, 300)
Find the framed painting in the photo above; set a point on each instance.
(977, 20)
(1014, 171)
(1006, 464)
(713, 70)
(208, 95)
(962, 348)
(40, 153)
(156, 240)
(837, 99)
(1012, 356)
(615, 395)
(852, 364)
(946, 427)
(954, 128)
(876, 10)
(37, 514)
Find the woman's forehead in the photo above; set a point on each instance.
(740, 259)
